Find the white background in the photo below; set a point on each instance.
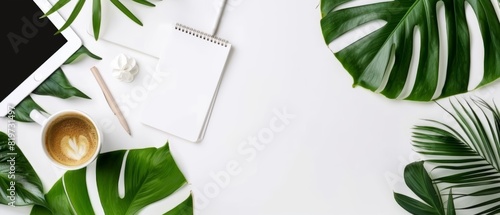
(342, 153)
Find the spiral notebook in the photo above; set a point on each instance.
(194, 62)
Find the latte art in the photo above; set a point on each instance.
(75, 148)
(71, 140)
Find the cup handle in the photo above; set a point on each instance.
(38, 117)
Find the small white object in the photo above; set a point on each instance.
(124, 68)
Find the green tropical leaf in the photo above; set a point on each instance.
(58, 85)
(96, 18)
(150, 174)
(466, 152)
(184, 208)
(413, 206)
(81, 51)
(126, 11)
(40, 210)
(380, 61)
(76, 10)
(71, 187)
(96, 13)
(58, 5)
(145, 2)
(419, 181)
(23, 110)
(450, 209)
(17, 175)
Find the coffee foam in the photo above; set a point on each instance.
(71, 139)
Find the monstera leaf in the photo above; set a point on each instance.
(149, 175)
(185, 208)
(380, 61)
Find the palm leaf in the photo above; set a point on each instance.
(419, 181)
(81, 51)
(468, 153)
(380, 61)
(76, 10)
(96, 13)
(96, 18)
(58, 5)
(126, 11)
(450, 209)
(145, 2)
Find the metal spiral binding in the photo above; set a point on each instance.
(202, 35)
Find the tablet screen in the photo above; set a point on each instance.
(27, 43)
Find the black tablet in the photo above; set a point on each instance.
(32, 48)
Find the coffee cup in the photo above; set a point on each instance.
(70, 138)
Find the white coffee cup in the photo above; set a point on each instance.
(70, 139)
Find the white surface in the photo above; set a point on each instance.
(341, 150)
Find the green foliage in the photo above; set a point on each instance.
(23, 109)
(81, 51)
(56, 85)
(96, 18)
(419, 181)
(126, 11)
(464, 156)
(150, 174)
(185, 208)
(96, 12)
(27, 186)
(380, 61)
(76, 10)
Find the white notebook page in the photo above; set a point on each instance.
(195, 64)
